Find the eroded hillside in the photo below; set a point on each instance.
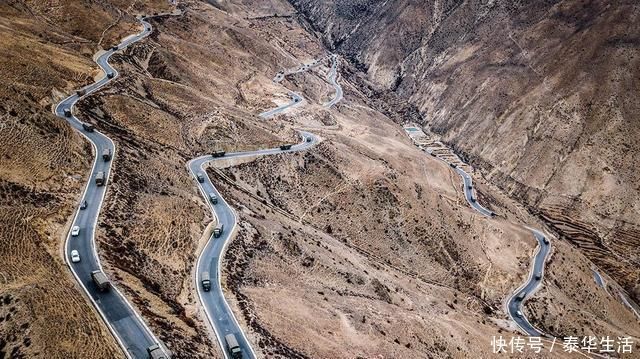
(363, 242)
(539, 95)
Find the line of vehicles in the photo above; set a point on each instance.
(101, 281)
(232, 343)
(230, 340)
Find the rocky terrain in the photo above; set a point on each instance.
(360, 247)
(539, 95)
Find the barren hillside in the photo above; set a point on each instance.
(540, 95)
(362, 246)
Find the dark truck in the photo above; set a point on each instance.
(155, 352)
(100, 178)
(233, 346)
(88, 127)
(218, 154)
(285, 147)
(206, 281)
(106, 154)
(67, 112)
(101, 280)
(217, 232)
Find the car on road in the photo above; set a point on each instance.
(67, 112)
(538, 276)
(84, 204)
(469, 187)
(213, 198)
(200, 177)
(545, 240)
(519, 314)
(521, 296)
(75, 256)
(452, 165)
(88, 127)
(285, 147)
(110, 75)
(75, 231)
(309, 139)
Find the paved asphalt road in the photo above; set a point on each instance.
(514, 305)
(468, 193)
(598, 278)
(296, 100)
(124, 322)
(333, 75)
(218, 312)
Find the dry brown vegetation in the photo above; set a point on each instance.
(361, 243)
(539, 96)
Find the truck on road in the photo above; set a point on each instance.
(233, 346)
(101, 280)
(217, 232)
(155, 352)
(106, 154)
(100, 178)
(285, 147)
(205, 280)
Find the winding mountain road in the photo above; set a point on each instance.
(534, 280)
(127, 326)
(333, 79)
(296, 100)
(218, 312)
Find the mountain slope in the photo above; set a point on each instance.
(540, 95)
